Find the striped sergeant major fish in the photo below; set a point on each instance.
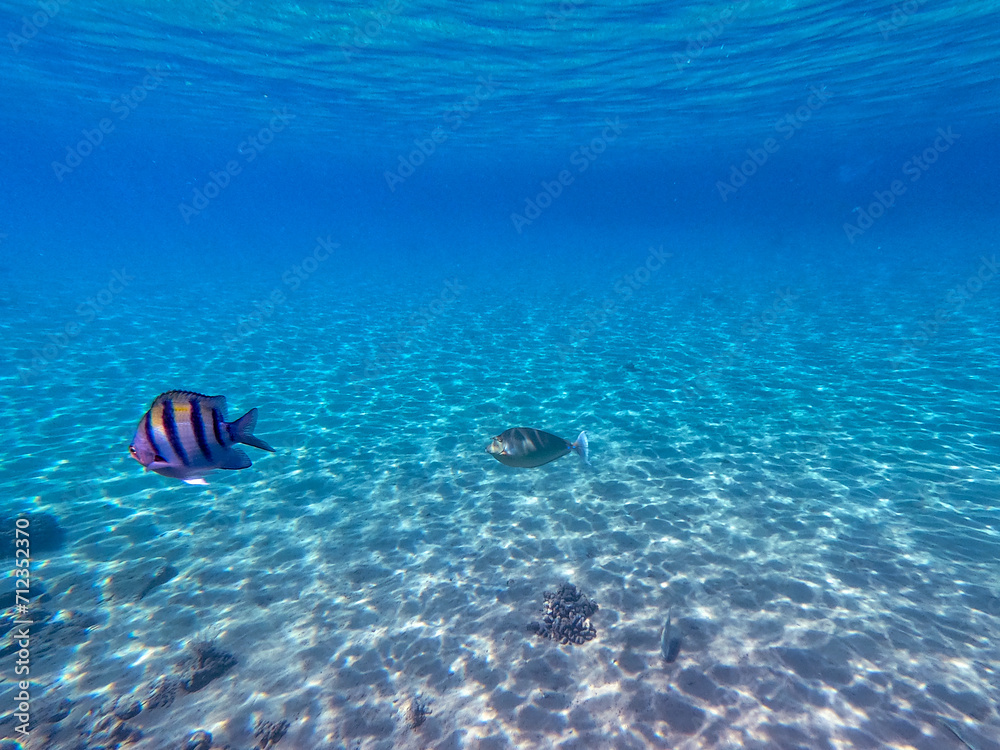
(185, 435)
(526, 447)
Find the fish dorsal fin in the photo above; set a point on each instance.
(215, 402)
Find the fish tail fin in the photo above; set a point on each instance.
(581, 446)
(242, 431)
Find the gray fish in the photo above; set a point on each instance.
(185, 435)
(163, 574)
(947, 725)
(526, 447)
(670, 647)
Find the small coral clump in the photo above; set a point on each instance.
(161, 693)
(209, 662)
(267, 733)
(198, 740)
(126, 707)
(566, 616)
(417, 713)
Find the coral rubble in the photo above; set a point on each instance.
(566, 616)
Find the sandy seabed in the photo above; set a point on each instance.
(818, 519)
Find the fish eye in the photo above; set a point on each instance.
(131, 450)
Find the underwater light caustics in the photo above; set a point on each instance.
(526, 447)
(184, 435)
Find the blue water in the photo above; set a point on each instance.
(750, 248)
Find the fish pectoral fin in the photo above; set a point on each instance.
(195, 480)
(235, 459)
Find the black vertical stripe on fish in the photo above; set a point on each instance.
(151, 435)
(170, 426)
(198, 424)
(217, 425)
